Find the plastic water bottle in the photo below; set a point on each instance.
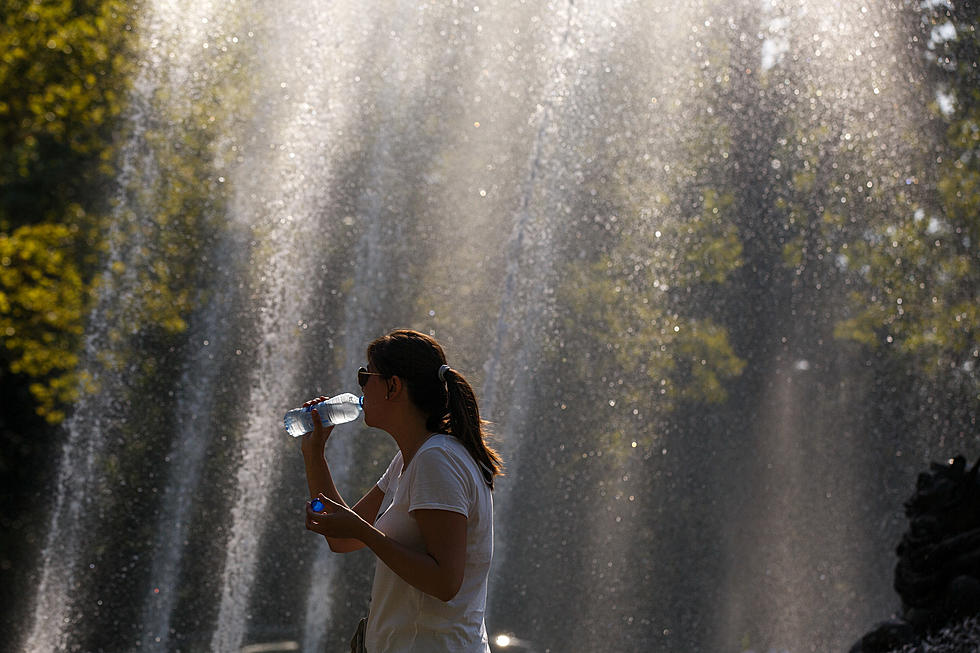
(335, 410)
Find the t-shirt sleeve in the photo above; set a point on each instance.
(440, 482)
(385, 479)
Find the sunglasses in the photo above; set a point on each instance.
(363, 374)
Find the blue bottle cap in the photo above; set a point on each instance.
(317, 505)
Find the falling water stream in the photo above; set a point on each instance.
(449, 167)
(90, 427)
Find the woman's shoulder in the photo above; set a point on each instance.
(442, 446)
(445, 443)
(396, 460)
(444, 465)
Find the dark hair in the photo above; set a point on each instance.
(450, 406)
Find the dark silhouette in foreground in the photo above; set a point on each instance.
(938, 570)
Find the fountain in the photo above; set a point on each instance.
(598, 207)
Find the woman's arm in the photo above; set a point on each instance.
(320, 483)
(437, 571)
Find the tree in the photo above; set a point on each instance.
(63, 80)
(911, 259)
(42, 303)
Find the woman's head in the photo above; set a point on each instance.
(415, 358)
(446, 399)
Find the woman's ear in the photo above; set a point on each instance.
(394, 387)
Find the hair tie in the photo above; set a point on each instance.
(442, 372)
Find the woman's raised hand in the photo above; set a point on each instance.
(314, 441)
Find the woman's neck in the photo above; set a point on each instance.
(409, 439)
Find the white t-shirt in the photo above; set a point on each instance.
(442, 475)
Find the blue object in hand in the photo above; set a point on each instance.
(317, 505)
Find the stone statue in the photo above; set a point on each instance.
(938, 570)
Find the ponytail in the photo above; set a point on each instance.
(465, 424)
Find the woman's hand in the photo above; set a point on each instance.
(314, 441)
(335, 520)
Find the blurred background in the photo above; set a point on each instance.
(712, 268)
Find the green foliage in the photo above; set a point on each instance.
(652, 337)
(63, 82)
(42, 304)
(63, 78)
(710, 245)
(130, 205)
(632, 320)
(638, 321)
(906, 237)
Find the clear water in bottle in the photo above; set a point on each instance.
(335, 410)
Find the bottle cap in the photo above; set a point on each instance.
(317, 505)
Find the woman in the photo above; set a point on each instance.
(429, 519)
